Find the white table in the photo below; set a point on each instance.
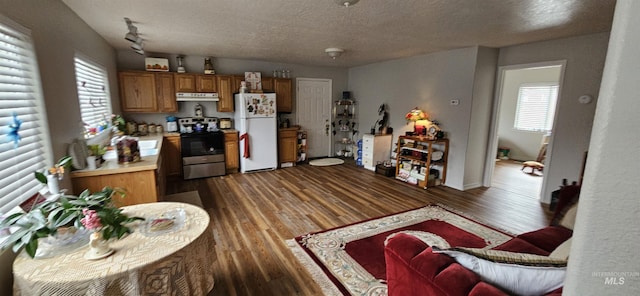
(179, 262)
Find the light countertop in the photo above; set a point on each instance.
(110, 167)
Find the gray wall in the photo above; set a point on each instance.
(58, 34)
(524, 145)
(607, 236)
(428, 82)
(483, 90)
(128, 60)
(585, 57)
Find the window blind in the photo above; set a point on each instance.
(93, 93)
(20, 95)
(536, 107)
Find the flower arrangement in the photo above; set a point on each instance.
(56, 170)
(95, 212)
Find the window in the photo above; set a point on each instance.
(20, 96)
(93, 93)
(536, 107)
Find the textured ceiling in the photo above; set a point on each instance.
(297, 32)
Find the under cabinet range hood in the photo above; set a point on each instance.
(198, 97)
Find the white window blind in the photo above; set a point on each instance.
(93, 93)
(536, 107)
(20, 94)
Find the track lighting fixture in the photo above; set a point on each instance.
(132, 35)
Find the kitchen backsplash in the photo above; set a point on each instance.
(187, 109)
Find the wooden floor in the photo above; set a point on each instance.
(509, 176)
(253, 215)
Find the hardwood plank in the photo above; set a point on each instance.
(254, 214)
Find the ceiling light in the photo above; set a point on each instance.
(137, 46)
(347, 3)
(334, 52)
(133, 37)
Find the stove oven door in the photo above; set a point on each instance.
(202, 155)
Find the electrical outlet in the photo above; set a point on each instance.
(455, 102)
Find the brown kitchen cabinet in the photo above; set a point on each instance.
(287, 146)
(166, 93)
(284, 96)
(189, 82)
(267, 84)
(236, 83)
(147, 92)
(206, 83)
(225, 93)
(172, 155)
(231, 151)
(185, 82)
(138, 91)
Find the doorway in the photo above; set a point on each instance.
(522, 126)
(313, 111)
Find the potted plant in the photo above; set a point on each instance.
(50, 217)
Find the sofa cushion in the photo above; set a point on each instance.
(562, 251)
(521, 246)
(569, 217)
(548, 238)
(518, 273)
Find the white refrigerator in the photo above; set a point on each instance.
(256, 122)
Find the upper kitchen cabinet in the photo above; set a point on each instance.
(138, 91)
(206, 83)
(186, 82)
(283, 90)
(237, 81)
(166, 93)
(225, 93)
(147, 92)
(267, 84)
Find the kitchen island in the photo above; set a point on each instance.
(143, 181)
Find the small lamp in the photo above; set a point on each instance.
(414, 115)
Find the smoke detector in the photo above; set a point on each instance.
(347, 3)
(334, 52)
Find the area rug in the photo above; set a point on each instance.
(349, 260)
(326, 162)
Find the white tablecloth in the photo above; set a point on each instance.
(179, 262)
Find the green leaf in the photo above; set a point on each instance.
(65, 162)
(31, 247)
(41, 177)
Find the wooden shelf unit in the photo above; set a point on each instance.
(414, 160)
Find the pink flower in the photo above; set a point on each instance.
(91, 219)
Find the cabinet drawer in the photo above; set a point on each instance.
(367, 162)
(367, 154)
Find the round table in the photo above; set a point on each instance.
(178, 262)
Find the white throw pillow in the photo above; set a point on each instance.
(562, 251)
(517, 273)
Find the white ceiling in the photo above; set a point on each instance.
(297, 32)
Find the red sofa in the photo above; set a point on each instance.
(413, 269)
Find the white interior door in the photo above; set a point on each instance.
(313, 101)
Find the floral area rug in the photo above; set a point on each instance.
(349, 260)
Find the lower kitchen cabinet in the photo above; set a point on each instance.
(172, 155)
(231, 151)
(287, 146)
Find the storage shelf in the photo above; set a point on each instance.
(427, 146)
